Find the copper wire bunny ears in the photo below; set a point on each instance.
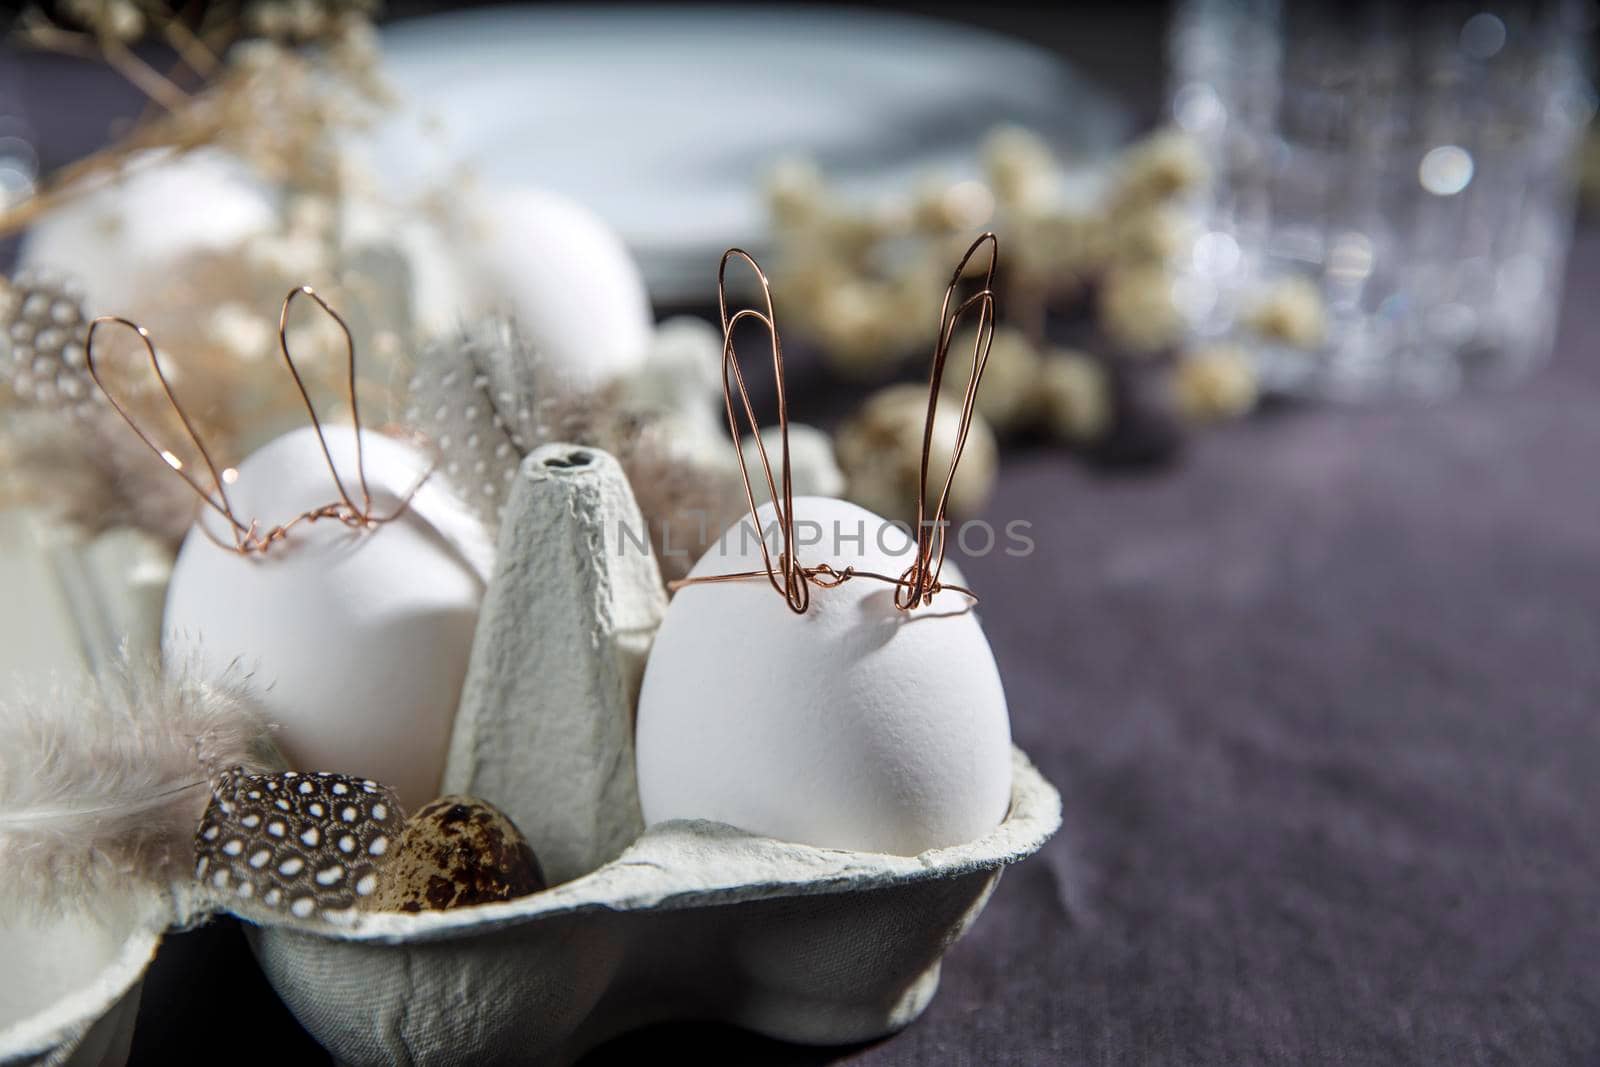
(249, 537)
(920, 581)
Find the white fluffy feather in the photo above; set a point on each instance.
(103, 781)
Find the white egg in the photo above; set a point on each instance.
(852, 726)
(813, 469)
(357, 640)
(563, 273)
(435, 291)
(117, 238)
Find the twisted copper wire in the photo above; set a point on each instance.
(793, 585)
(248, 537)
(920, 582)
(921, 579)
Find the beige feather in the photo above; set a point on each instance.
(103, 780)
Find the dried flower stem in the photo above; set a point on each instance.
(84, 176)
(143, 76)
(195, 53)
(36, 31)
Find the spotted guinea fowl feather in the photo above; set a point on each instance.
(103, 779)
(307, 845)
(476, 394)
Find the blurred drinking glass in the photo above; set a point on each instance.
(1413, 167)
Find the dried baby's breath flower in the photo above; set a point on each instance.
(257, 56)
(116, 20)
(855, 236)
(1019, 165)
(1075, 396)
(805, 276)
(1151, 234)
(1290, 312)
(356, 54)
(1136, 309)
(307, 18)
(1215, 383)
(1066, 247)
(914, 304)
(303, 20)
(795, 192)
(281, 109)
(275, 105)
(944, 210)
(894, 216)
(241, 332)
(1010, 394)
(855, 326)
(1165, 165)
(214, 315)
(863, 280)
(289, 256)
(880, 453)
(311, 215)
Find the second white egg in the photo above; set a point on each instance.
(854, 725)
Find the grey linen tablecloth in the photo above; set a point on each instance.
(1323, 704)
(1324, 709)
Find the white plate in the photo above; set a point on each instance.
(664, 120)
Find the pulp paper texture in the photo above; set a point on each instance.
(545, 727)
(695, 921)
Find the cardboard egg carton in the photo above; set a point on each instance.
(69, 989)
(694, 921)
(683, 920)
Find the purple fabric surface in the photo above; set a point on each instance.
(1323, 704)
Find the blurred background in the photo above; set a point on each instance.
(1292, 391)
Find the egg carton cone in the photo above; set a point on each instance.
(683, 920)
(545, 727)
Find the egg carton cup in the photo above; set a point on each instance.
(696, 920)
(70, 984)
(683, 920)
